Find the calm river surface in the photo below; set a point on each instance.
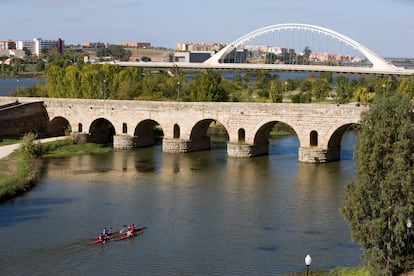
(206, 214)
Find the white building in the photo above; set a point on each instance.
(38, 45)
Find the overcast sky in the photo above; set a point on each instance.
(384, 26)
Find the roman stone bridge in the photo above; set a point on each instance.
(127, 124)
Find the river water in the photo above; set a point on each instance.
(8, 85)
(206, 214)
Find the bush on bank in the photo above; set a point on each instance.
(21, 169)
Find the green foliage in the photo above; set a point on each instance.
(306, 86)
(263, 79)
(276, 91)
(29, 147)
(115, 51)
(363, 95)
(381, 198)
(357, 271)
(94, 81)
(302, 97)
(406, 86)
(65, 148)
(384, 86)
(344, 89)
(320, 89)
(207, 88)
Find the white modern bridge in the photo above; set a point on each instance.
(378, 65)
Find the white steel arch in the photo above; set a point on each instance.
(377, 61)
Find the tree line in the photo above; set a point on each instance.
(96, 81)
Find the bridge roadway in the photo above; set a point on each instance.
(127, 124)
(399, 71)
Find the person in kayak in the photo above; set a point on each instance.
(129, 234)
(132, 228)
(105, 232)
(102, 238)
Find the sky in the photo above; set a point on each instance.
(384, 26)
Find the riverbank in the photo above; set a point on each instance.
(21, 171)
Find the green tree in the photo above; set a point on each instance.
(72, 82)
(276, 91)
(384, 86)
(92, 82)
(263, 79)
(381, 198)
(363, 95)
(40, 66)
(344, 89)
(127, 84)
(55, 81)
(406, 86)
(320, 89)
(207, 88)
(302, 97)
(306, 85)
(115, 51)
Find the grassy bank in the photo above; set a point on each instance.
(18, 175)
(22, 169)
(66, 148)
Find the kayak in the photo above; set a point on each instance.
(98, 241)
(117, 236)
(109, 234)
(137, 232)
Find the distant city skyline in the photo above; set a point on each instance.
(384, 26)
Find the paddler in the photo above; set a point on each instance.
(132, 228)
(105, 232)
(129, 234)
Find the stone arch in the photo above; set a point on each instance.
(261, 138)
(58, 126)
(313, 138)
(101, 131)
(201, 132)
(334, 143)
(176, 131)
(147, 133)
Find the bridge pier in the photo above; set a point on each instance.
(123, 141)
(185, 145)
(246, 150)
(80, 137)
(318, 155)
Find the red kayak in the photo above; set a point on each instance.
(98, 241)
(111, 233)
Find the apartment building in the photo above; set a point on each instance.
(38, 45)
